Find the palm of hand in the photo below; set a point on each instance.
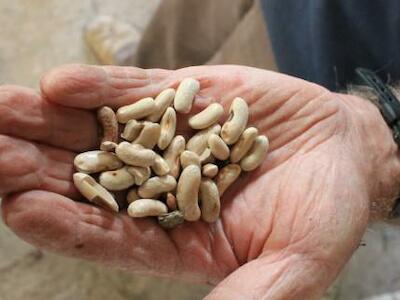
(285, 230)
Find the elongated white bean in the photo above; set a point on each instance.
(135, 154)
(210, 202)
(149, 135)
(141, 174)
(108, 146)
(109, 124)
(146, 208)
(157, 185)
(94, 192)
(226, 176)
(162, 101)
(244, 144)
(189, 158)
(171, 201)
(207, 157)
(117, 180)
(168, 127)
(218, 147)
(239, 115)
(207, 117)
(97, 161)
(185, 94)
(132, 195)
(198, 142)
(132, 130)
(172, 154)
(137, 110)
(256, 155)
(209, 170)
(187, 193)
(160, 166)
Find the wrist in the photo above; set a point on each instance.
(375, 153)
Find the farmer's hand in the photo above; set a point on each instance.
(286, 229)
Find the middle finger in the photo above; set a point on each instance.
(26, 165)
(25, 114)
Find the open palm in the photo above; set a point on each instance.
(286, 229)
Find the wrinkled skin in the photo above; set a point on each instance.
(286, 229)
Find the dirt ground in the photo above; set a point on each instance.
(37, 35)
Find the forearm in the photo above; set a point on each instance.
(375, 153)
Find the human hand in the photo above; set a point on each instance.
(286, 229)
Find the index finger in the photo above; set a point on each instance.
(89, 87)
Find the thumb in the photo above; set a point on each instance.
(282, 276)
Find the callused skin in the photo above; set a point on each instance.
(286, 229)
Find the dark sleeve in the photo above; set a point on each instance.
(325, 40)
